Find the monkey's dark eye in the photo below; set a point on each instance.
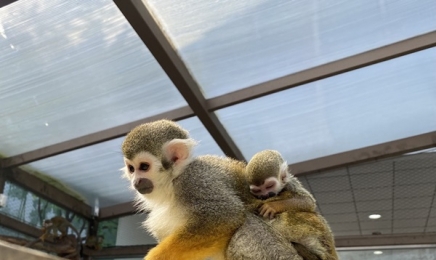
(255, 190)
(131, 168)
(144, 166)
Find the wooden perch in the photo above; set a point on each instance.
(65, 247)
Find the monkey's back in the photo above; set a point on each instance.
(212, 187)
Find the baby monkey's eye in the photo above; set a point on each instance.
(255, 190)
(144, 166)
(131, 168)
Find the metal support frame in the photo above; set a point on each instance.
(143, 22)
(119, 251)
(377, 55)
(4, 3)
(19, 226)
(330, 69)
(365, 154)
(47, 191)
(87, 140)
(117, 211)
(386, 241)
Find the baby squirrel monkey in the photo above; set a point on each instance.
(197, 205)
(283, 195)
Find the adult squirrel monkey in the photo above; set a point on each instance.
(197, 205)
(290, 208)
(52, 226)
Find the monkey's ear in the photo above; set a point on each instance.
(284, 173)
(179, 151)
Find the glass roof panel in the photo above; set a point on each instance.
(376, 104)
(70, 68)
(206, 144)
(94, 171)
(229, 45)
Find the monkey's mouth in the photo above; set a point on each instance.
(266, 196)
(144, 186)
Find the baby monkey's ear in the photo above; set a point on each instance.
(284, 172)
(179, 151)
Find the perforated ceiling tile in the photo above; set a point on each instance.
(333, 197)
(365, 206)
(431, 221)
(430, 229)
(330, 173)
(345, 233)
(344, 226)
(371, 167)
(411, 162)
(379, 193)
(416, 190)
(408, 223)
(411, 213)
(376, 224)
(371, 180)
(341, 218)
(304, 183)
(413, 203)
(408, 230)
(381, 231)
(337, 208)
(329, 183)
(415, 176)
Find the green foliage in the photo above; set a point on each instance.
(108, 229)
(33, 210)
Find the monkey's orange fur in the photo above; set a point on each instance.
(194, 248)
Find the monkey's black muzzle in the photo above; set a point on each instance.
(264, 197)
(144, 186)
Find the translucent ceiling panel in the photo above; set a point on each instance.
(70, 68)
(376, 104)
(94, 171)
(206, 144)
(229, 44)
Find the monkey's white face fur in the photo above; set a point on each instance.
(272, 185)
(154, 185)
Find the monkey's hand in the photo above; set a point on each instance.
(270, 209)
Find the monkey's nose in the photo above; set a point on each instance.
(144, 185)
(263, 197)
(271, 194)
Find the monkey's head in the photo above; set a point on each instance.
(47, 223)
(155, 153)
(267, 173)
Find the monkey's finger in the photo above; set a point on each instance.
(262, 211)
(267, 213)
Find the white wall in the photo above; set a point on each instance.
(130, 232)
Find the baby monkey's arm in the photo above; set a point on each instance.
(295, 203)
